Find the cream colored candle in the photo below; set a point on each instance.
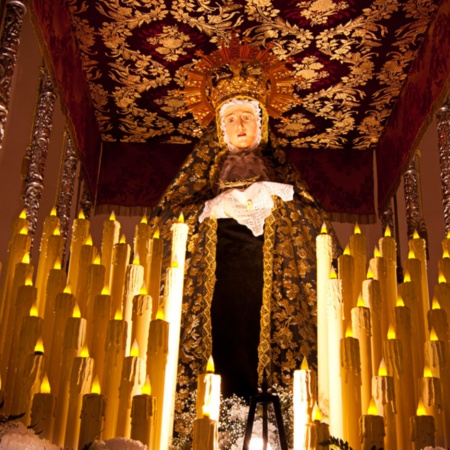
(80, 232)
(18, 247)
(134, 278)
(324, 256)
(47, 260)
(388, 250)
(19, 223)
(378, 267)
(131, 383)
(422, 429)
(143, 416)
(64, 308)
(92, 415)
(358, 249)
(141, 317)
(372, 428)
(155, 272)
(431, 396)
(335, 334)
(383, 393)
(110, 237)
(437, 319)
(403, 331)
(442, 295)
(80, 384)
(436, 359)
(444, 265)
(317, 432)
(305, 400)
(172, 312)
(143, 244)
(446, 243)
(157, 351)
(74, 339)
(29, 382)
(120, 260)
(88, 254)
(346, 273)
(362, 331)
(205, 434)
(102, 308)
(403, 384)
(55, 284)
(208, 392)
(43, 411)
(371, 294)
(351, 387)
(95, 284)
(114, 355)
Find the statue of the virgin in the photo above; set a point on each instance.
(250, 277)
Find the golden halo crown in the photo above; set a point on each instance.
(238, 70)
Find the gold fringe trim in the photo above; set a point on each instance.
(264, 348)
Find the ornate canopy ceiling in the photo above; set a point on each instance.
(363, 66)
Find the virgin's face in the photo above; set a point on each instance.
(241, 125)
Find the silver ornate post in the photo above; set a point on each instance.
(36, 156)
(443, 128)
(413, 199)
(69, 164)
(9, 43)
(86, 202)
(387, 219)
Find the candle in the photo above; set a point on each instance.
(422, 429)
(305, 386)
(346, 272)
(88, 254)
(378, 267)
(110, 237)
(141, 316)
(157, 351)
(317, 431)
(437, 319)
(80, 232)
(324, 256)
(102, 308)
(172, 312)
(384, 396)
(362, 331)
(351, 387)
(43, 411)
(358, 249)
(143, 244)
(143, 416)
(134, 278)
(388, 249)
(371, 294)
(80, 385)
(155, 271)
(92, 415)
(19, 223)
(205, 434)
(114, 355)
(442, 294)
(121, 256)
(132, 380)
(372, 429)
(335, 334)
(208, 392)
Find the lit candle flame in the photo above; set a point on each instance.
(324, 229)
(370, 275)
(156, 234)
(181, 218)
(333, 275)
(411, 254)
(357, 230)
(416, 234)
(147, 388)
(349, 331)
(400, 302)
(427, 373)
(26, 258)
(53, 211)
(24, 230)
(84, 351)
(57, 231)
(57, 265)
(387, 232)
(205, 411)
(372, 410)
(76, 311)
(210, 365)
(304, 365)
(134, 349)
(23, 214)
(144, 220)
(391, 332)
(118, 315)
(382, 370)
(34, 310)
(407, 277)
(160, 314)
(433, 335)
(88, 240)
(112, 216)
(441, 278)
(316, 414)
(376, 252)
(97, 260)
(136, 261)
(45, 385)
(421, 411)
(105, 290)
(445, 254)
(435, 304)
(95, 388)
(39, 347)
(123, 239)
(29, 281)
(360, 303)
(347, 250)
(81, 215)
(174, 265)
(448, 234)
(67, 289)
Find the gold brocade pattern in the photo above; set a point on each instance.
(264, 348)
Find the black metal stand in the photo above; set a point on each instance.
(265, 398)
